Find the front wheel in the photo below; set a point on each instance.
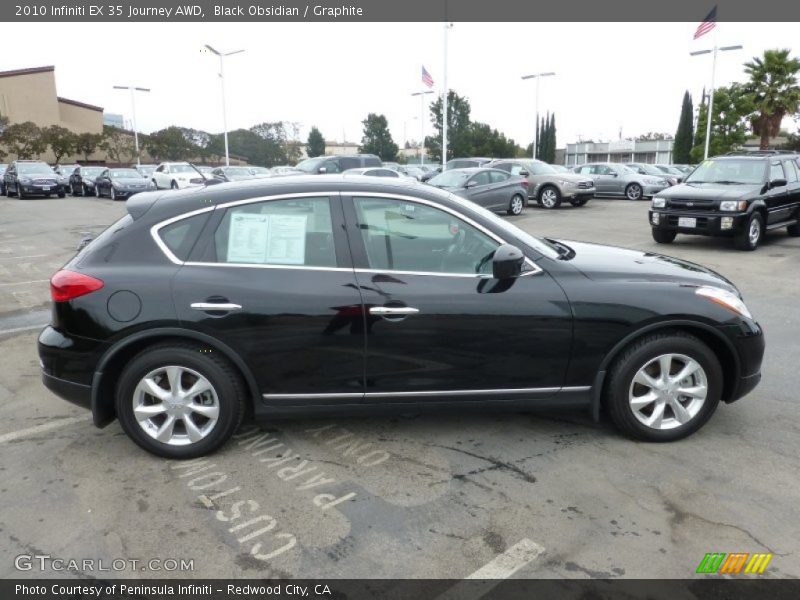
(180, 400)
(578, 202)
(750, 237)
(634, 192)
(794, 230)
(174, 185)
(97, 192)
(517, 205)
(20, 193)
(664, 387)
(663, 236)
(550, 197)
(113, 193)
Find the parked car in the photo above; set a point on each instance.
(281, 170)
(415, 171)
(3, 167)
(685, 169)
(65, 170)
(490, 188)
(233, 173)
(337, 164)
(25, 178)
(145, 170)
(614, 179)
(648, 169)
(195, 308)
(736, 196)
(81, 181)
(120, 183)
(177, 175)
(466, 163)
(561, 169)
(546, 186)
(670, 170)
(431, 173)
(377, 172)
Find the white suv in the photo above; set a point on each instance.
(176, 175)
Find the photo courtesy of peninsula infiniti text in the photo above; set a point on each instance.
(328, 295)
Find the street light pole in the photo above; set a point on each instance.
(133, 110)
(710, 113)
(444, 98)
(221, 56)
(537, 77)
(422, 123)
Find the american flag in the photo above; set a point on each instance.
(708, 24)
(426, 78)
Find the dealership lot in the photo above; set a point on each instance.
(415, 496)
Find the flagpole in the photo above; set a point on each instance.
(710, 114)
(422, 127)
(444, 101)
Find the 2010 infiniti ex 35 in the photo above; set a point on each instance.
(326, 295)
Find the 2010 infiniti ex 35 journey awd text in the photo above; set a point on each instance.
(327, 295)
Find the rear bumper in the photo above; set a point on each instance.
(705, 223)
(69, 390)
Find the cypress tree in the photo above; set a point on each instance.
(682, 148)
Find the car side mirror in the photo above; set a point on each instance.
(614, 174)
(523, 173)
(777, 183)
(507, 262)
(470, 184)
(322, 170)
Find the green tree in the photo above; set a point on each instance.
(118, 144)
(60, 139)
(377, 139)
(3, 125)
(551, 158)
(87, 143)
(490, 142)
(316, 143)
(458, 133)
(24, 140)
(732, 108)
(170, 144)
(652, 136)
(273, 145)
(773, 91)
(682, 148)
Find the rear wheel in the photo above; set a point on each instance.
(794, 230)
(579, 201)
(178, 402)
(550, 197)
(750, 237)
(20, 193)
(634, 192)
(664, 387)
(174, 185)
(113, 193)
(97, 191)
(663, 236)
(517, 205)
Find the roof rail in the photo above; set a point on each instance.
(759, 152)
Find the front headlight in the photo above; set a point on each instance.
(653, 181)
(115, 185)
(566, 183)
(25, 180)
(725, 298)
(659, 202)
(733, 205)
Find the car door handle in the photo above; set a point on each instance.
(215, 306)
(391, 311)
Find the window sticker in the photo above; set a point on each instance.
(247, 238)
(287, 240)
(269, 239)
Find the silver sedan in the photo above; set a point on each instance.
(614, 179)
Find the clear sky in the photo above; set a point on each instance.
(608, 75)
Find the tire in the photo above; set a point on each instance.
(154, 183)
(516, 206)
(97, 192)
(794, 230)
(640, 365)
(62, 194)
(550, 197)
(174, 185)
(20, 194)
(226, 394)
(634, 192)
(579, 202)
(75, 191)
(113, 194)
(663, 236)
(750, 237)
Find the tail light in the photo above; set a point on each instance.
(524, 182)
(66, 285)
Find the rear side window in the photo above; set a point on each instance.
(278, 232)
(776, 171)
(106, 239)
(181, 236)
(372, 161)
(498, 177)
(791, 170)
(349, 163)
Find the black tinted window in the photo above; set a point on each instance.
(349, 163)
(498, 177)
(776, 171)
(181, 236)
(481, 178)
(372, 161)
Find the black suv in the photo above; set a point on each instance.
(338, 164)
(740, 195)
(25, 178)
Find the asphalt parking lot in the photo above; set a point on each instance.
(413, 496)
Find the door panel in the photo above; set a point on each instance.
(457, 329)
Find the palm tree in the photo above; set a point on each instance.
(774, 91)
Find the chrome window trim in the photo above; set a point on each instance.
(154, 233)
(427, 394)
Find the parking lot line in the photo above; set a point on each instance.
(501, 567)
(20, 329)
(15, 435)
(24, 282)
(18, 257)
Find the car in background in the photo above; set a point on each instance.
(278, 170)
(185, 315)
(670, 170)
(492, 189)
(81, 180)
(233, 173)
(337, 164)
(547, 186)
(377, 172)
(25, 178)
(561, 169)
(205, 170)
(736, 196)
(177, 175)
(415, 171)
(120, 183)
(431, 173)
(466, 163)
(145, 170)
(685, 169)
(648, 169)
(65, 170)
(3, 167)
(615, 179)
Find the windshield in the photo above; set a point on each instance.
(34, 169)
(310, 165)
(145, 170)
(450, 179)
(124, 174)
(237, 172)
(91, 171)
(649, 169)
(728, 171)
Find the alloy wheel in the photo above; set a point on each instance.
(516, 205)
(668, 391)
(549, 198)
(176, 405)
(634, 192)
(754, 233)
